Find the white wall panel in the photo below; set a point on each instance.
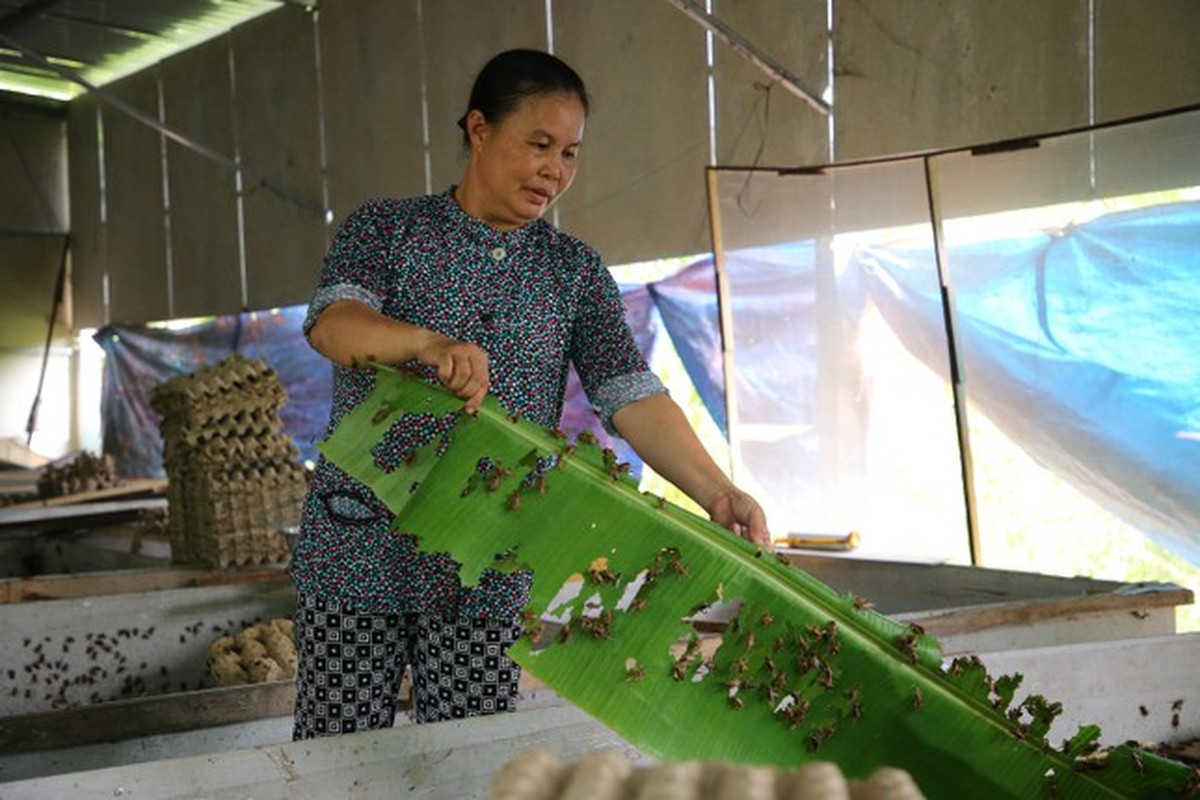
(371, 85)
(640, 192)
(279, 139)
(135, 239)
(923, 74)
(460, 37)
(759, 122)
(33, 160)
(204, 218)
(87, 255)
(29, 287)
(1147, 56)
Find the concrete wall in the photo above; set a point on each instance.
(360, 99)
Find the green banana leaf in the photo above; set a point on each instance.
(801, 672)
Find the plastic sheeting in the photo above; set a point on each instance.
(139, 358)
(1081, 346)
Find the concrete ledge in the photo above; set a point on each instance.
(448, 759)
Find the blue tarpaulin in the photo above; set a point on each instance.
(138, 358)
(1082, 346)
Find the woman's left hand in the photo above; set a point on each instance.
(740, 513)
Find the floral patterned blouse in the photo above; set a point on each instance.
(536, 300)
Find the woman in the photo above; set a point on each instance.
(476, 290)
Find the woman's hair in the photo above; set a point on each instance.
(512, 76)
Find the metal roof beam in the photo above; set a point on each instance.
(252, 175)
(747, 49)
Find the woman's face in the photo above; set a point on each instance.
(527, 160)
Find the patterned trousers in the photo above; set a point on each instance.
(350, 664)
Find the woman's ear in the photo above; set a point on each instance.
(477, 127)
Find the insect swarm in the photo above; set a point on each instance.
(821, 735)
(507, 555)
(495, 475)
(599, 573)
(908, 645)
(589, 508)
(854, 698)
(862, 603)
(599, 626)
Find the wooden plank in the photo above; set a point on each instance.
(447, 759)
(1071, 628)
(1137, 602)
(75, 515)
(113, 753)
(14, 453)
(995, 91)
(89, 244)
(634, 203)
(127, 489)
(896, 587)
(151, 717)
(197, 96)
(373, 119)
(96, 584)
(143, 716)
(1038, 610)
(26, 554)
(757, 121)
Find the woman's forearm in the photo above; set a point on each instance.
(661, 435)
(659, 432)
(350, 332)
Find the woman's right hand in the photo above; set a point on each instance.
(350, 332)
(461, 367)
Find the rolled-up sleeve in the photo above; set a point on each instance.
(610, 367)
(358, 265)
(622, 390)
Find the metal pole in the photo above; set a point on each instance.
(746, 48)
(725, 324)
(956, 376)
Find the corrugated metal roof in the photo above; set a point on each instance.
(44, 42)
